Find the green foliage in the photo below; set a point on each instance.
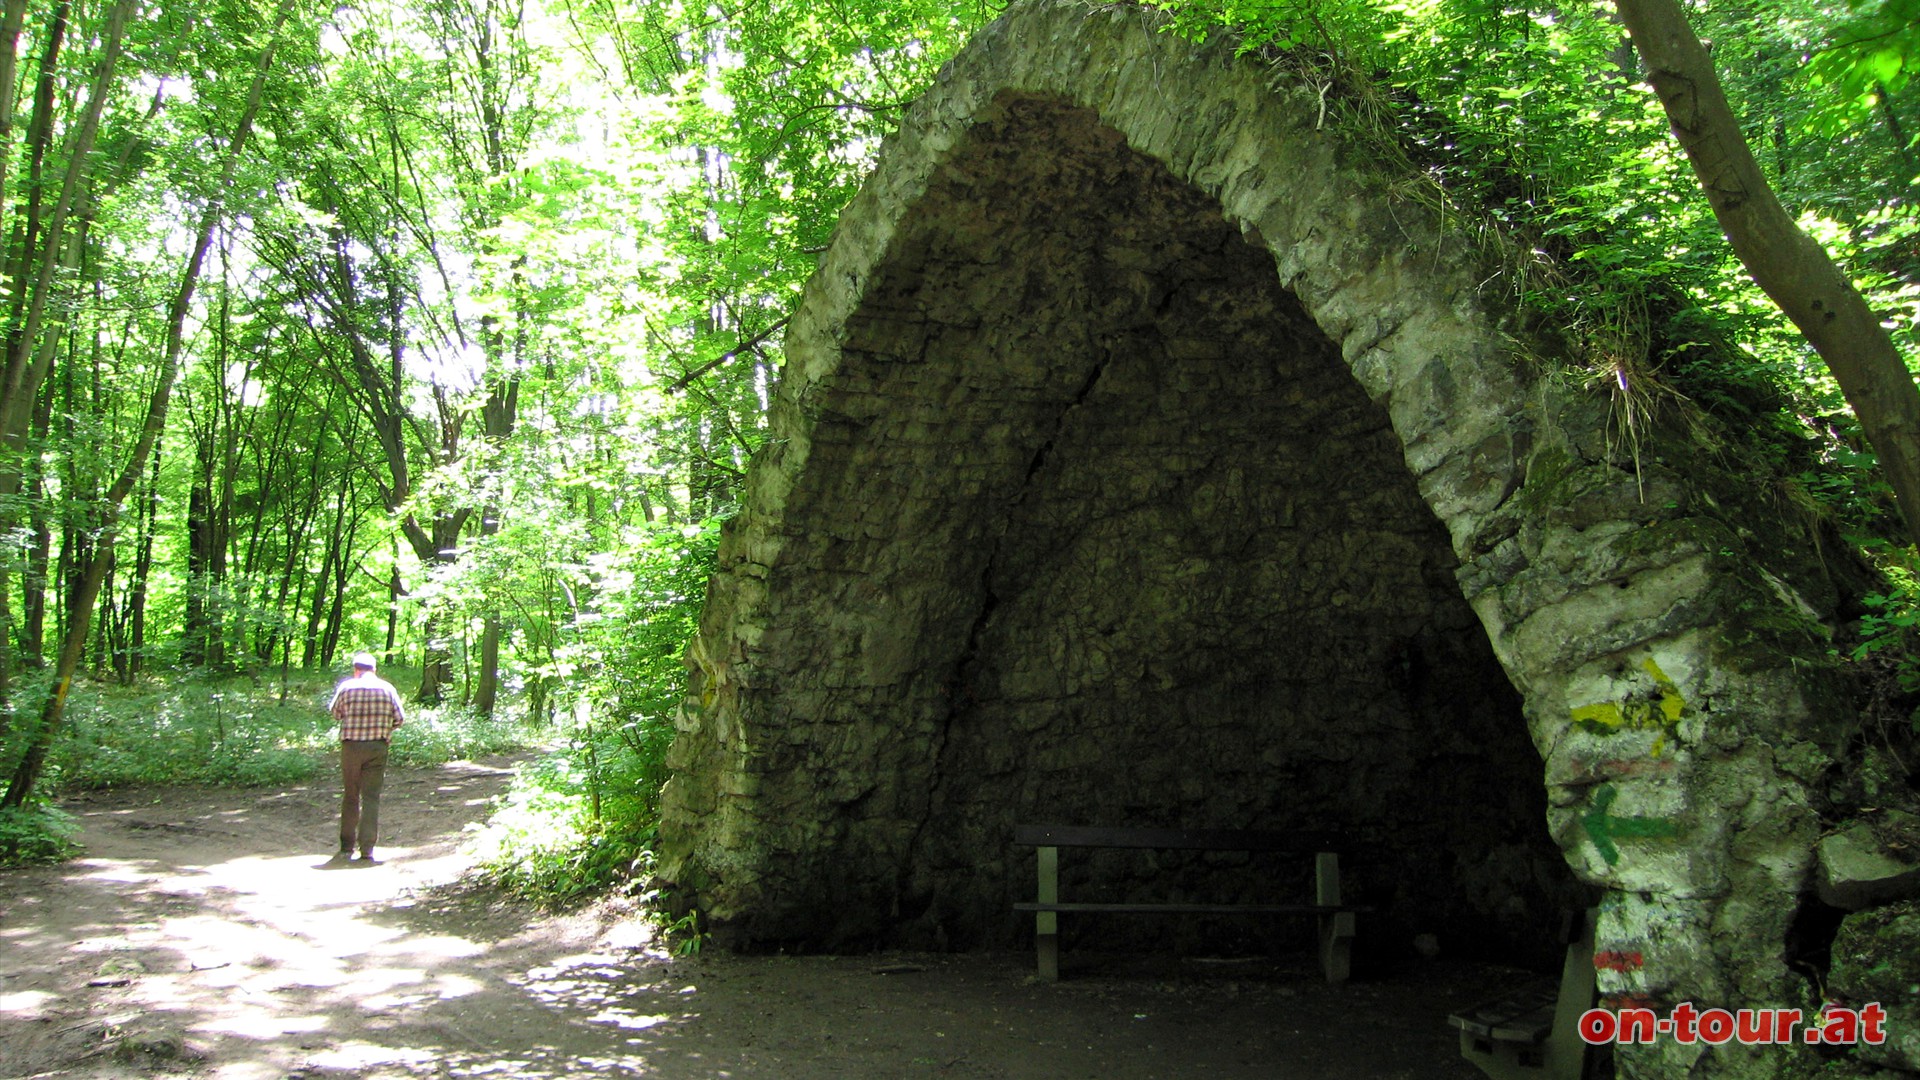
(582, 820)
(1532, 123)
(646, 613)
(543, 841)
(437, 734)
(1887, 658)
(35, 834)
(1891, 627)
(684, 931)
(196, 730)
(206, 730)
(1868, 59)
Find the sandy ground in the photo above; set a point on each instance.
(203, 934)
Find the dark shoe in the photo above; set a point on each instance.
(339, 857)
(366, 858)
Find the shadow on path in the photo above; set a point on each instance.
(205, 933)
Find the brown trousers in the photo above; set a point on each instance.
(363, 768)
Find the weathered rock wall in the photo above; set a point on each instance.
(1130, 434)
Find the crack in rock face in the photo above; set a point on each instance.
(1130, 545)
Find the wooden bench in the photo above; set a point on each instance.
(1533, 1032)
(1336, 918)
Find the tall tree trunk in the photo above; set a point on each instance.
(13, 17)
(395, 591)
(321, 629)
(103, 628)
(196, 623)
(37, 574)
(316, 614)
(146, 521)
(1784, 261)
(436, 662)
(498, 418)
(81, 601)
(25, 363)
(27, 773)
(30, 270)
(486, 693)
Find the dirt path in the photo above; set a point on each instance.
(204, 936)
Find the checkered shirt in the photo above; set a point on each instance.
(368, 707)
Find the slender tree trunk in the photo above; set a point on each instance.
(1784, 261)
(316, 614)
(337, 615)
(297, 510)
(320, 630)
(196, 622)
(102, 647)
(146, 523)
(13, 16)
(395, 591)
(486, 694)
(30, 269)
(498, 417)
(23, 372)
(37, 573)
(27, 773)
(82, 600)
(436, 664)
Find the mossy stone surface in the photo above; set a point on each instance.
(1876, 958)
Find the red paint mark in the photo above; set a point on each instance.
(1594, 771)
(1622, 962)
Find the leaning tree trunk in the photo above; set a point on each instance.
(81, 604)
(1784, 261)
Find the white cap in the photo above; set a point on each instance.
(363, 659)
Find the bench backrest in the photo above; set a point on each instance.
(1187, 839)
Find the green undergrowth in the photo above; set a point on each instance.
(36, 834)
(580, 822)
(214, 730)
(1543, 151)
(206, 730)
(577, 823)
(1886, 652)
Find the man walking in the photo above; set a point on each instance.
(368, 709)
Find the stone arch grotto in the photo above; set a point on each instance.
(1142, 458)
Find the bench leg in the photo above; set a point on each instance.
(1336, 930)
(1564, 1055)
(1046, 924)
(1567, 1053)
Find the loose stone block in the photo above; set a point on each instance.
(1865, 864)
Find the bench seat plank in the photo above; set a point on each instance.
(1521, 1016)
(1533, 1031)
(1336, 918)
(1173, 839)
(1201, 909)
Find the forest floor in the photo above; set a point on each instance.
(203, 934)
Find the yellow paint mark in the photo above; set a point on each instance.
(1671, 702)
(1604, 713)
(1662, 715)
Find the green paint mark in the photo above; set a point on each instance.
(1603, 828)
(1662, 715)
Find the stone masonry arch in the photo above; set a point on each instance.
(1203, 477)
